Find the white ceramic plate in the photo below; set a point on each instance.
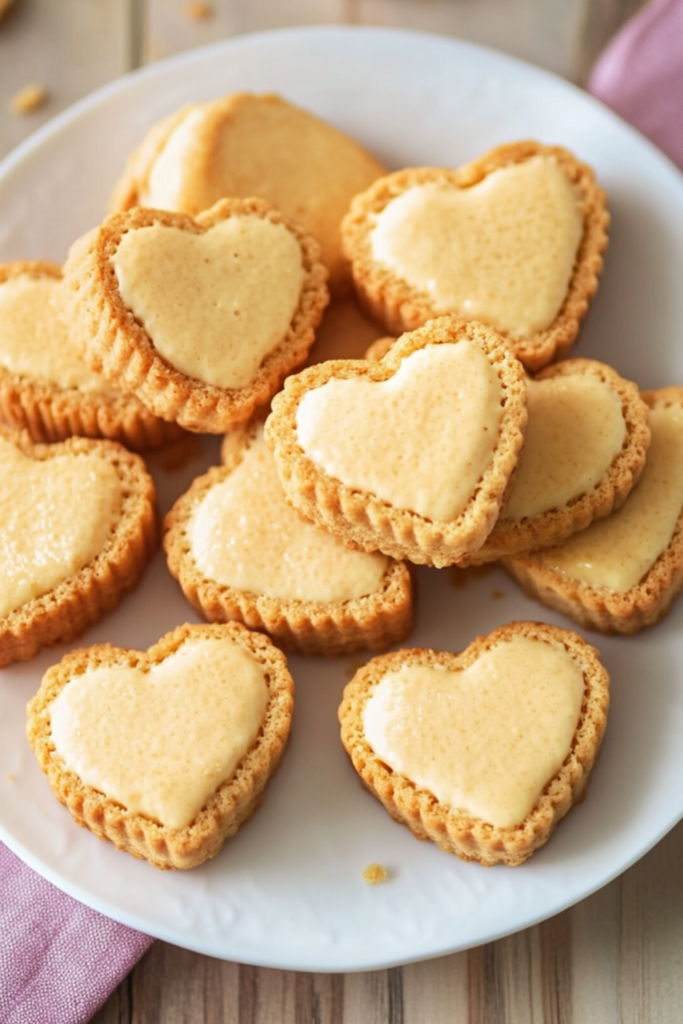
(287, 891)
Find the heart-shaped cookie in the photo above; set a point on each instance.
(167, 752)
(585, 447)
(513, 240)
(201, 319)
(485, 751)
(411, 455)
(65, 562)
(241, 552)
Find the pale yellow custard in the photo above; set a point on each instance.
(34, 341)
(420, 440)
(56, 515)
(501, 251)
(576, 429)
(618, 551)
(243, 534)
(162, 741)
(214, 303)
(487, 739)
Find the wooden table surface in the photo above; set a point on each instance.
(618, 955)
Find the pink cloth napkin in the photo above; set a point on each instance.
(59, 961)
(640, 75)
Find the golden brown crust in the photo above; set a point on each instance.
(513, 537)
(599, 608)
(401, 307)
(66, 610)
(362, 519)
(116, 345)
(53, 413)
(455, 831)
(375, 621)
(234, 801)
(262, 132)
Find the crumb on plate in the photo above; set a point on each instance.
(374, 874)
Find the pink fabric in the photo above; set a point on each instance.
(59, 960)
(640, 74)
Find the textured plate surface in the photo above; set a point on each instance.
(287, 891)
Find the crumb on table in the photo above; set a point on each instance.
(28, 99)
(497, 594)
(10, 776)
(374, 874)
(197, 10)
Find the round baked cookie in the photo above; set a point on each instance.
(165, 752)
(513, 239)
(245, 145)
(483, 752)
(77, 528)
(201, 318)
(46, 388)
(622, 573)
(585, 447)
(240, 552)
(412, 455)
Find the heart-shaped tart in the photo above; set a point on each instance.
(46, 388)
(243, 145)
(240, 552)
(622, 573)
(514, 240)
(77, 527)
(201, 319)
(411, 455)
(166, 752)
(485, 751)
(584, 449)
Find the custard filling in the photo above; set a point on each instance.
(45, 535)
(420, 440)
(617, 552)
(214, 303)
(484, 740)
(161, 741)
(576, 429)
(243, 534)
(34, 341)
(501, 251)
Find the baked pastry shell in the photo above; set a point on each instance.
(360, 518)
(234, 801)
(399, 306)
(453, 830)
(112, 342)
(82, 598)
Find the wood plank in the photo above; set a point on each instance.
(71, 47)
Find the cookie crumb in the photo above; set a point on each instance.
(497, 594)
(198, 11)
(10, 776)
(28, 99)
(374, 874)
